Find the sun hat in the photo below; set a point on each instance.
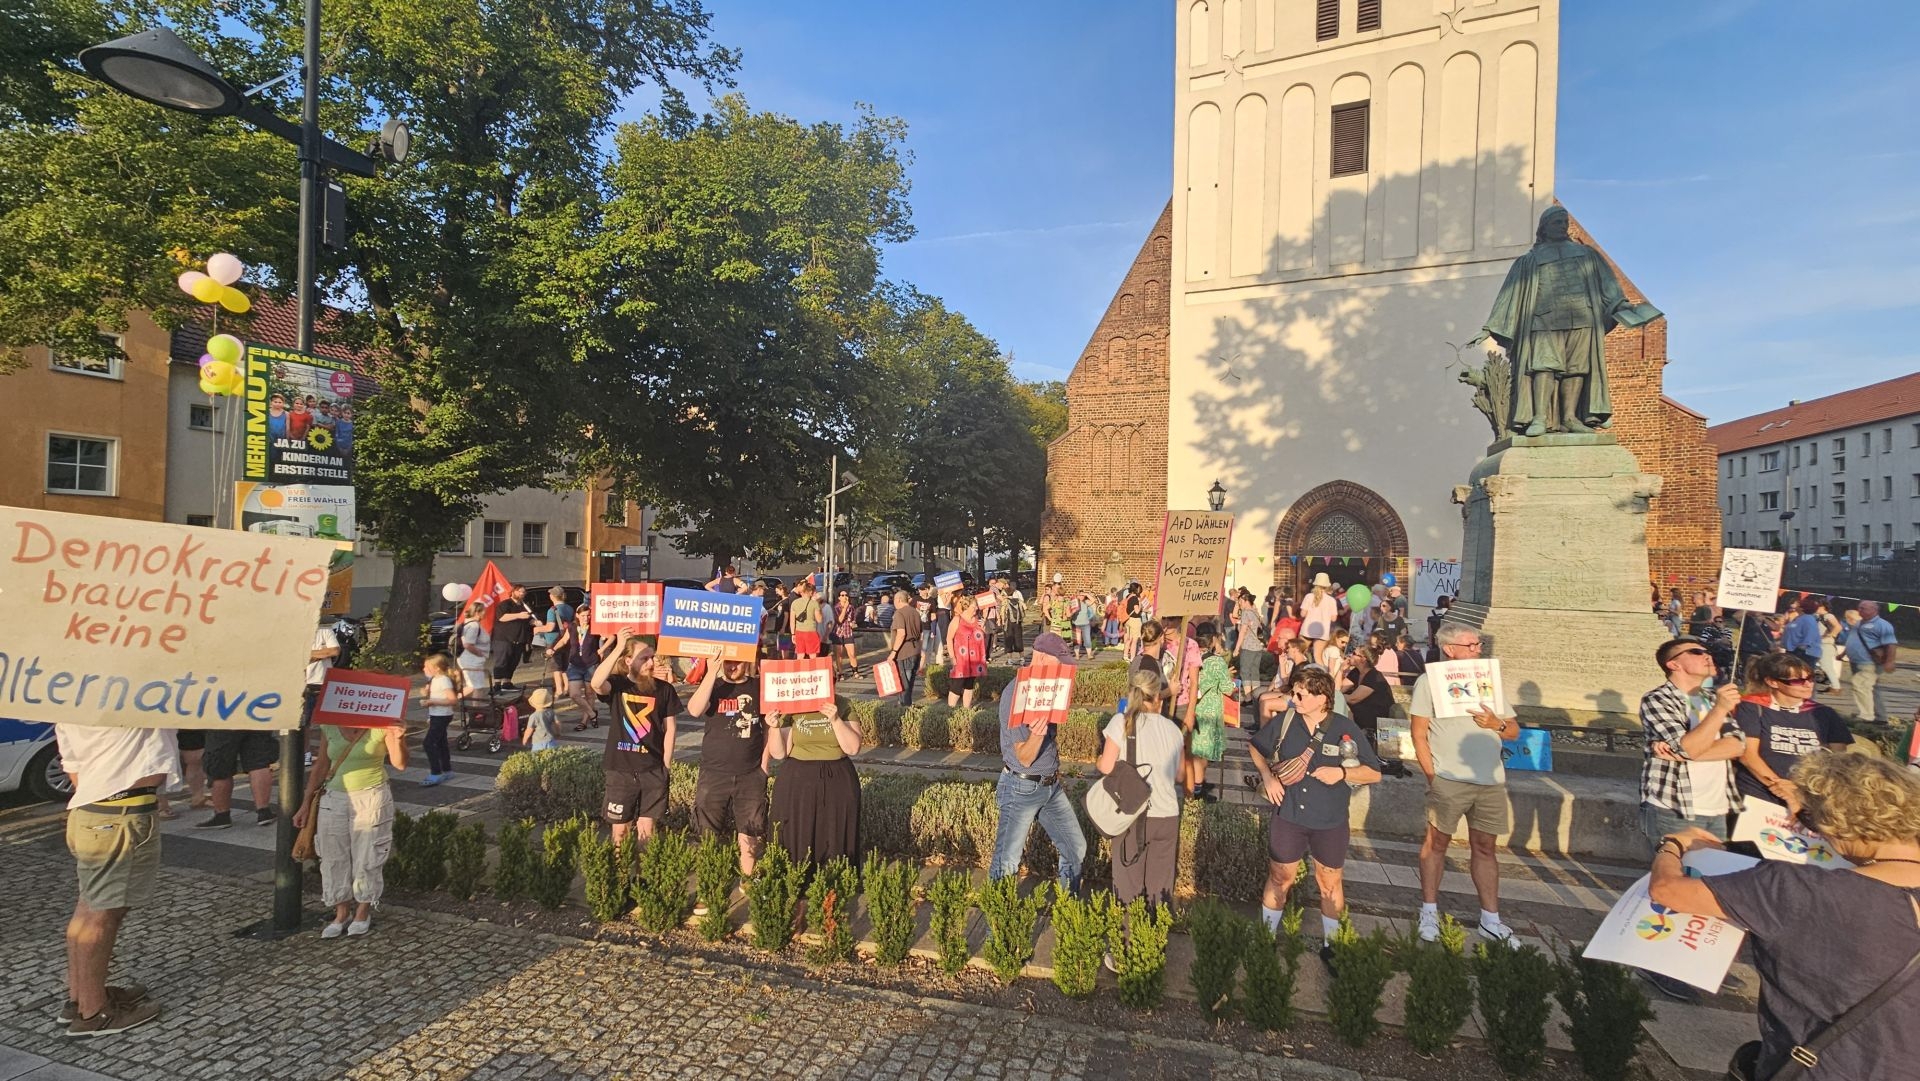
(1321, 581)
(540, 698)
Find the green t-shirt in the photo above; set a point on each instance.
(813, 738)
(359, 764)
(806, 615)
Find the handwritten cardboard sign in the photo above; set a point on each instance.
(790, 687)
(618, 606)
(1042, 694)
(152, 625)
(1691, 948)
(355, 699)
(1459, 687)
(1779, 836)
(718, 626)
(1750, 579)
(1434, 579)
(1193, 563)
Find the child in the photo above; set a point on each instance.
(440, 697)
(542, 730)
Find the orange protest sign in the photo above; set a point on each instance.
(789, 687)
(1042, 694)
(618, 606)
(352, 698)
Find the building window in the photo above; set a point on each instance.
(1814, 534)
(1350, 138)
(571, 538)
(1916, 485)
(1866, 489)
(1743, 538)
(616, 511)
(1369, 16)
(1743, 502)
(1769, 500)
(1916, 435)
(1796, 457)
(1840, 509)
(1839, 532)
(109, 366)
(1813, 494)
(459, 546)
(1729, 540)
(1886, 487)
(77, 465)
(205, 520)
(1839, 463)
(1326, 20)
(1866, 442)
(1769, 538)
(1886, 533)
(1796, 498)
(1886, 440)
(1769, 461)
(493, 538)
(1813, 453)
(200, 417)
(1729, 504)
(533, 538)
(1729, 465)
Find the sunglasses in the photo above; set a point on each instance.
(1797, 681)
(1302, 692)
(1690, 653)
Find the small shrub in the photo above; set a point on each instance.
(600, 876)
(890, 908)
(1216, 932)
(1080, 735)
(399, 868)
(660, 899)
(716, 867)
(426, 858)
(554, 878)
(771, 894)
(1229, 851)
(951, 895)
(1140, 952)
(466, 860)
(1605, 1008)
(1081, 930)
(1439, 988)
(995, 680)
(513, 878)
(1362, 966)
(1099, 689)
(1011, 921)
(1515, 988)
(1272, 964)
(516, 788)
(886, 813)
(830, 911)
(573, 782)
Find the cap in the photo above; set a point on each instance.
(1053, 646)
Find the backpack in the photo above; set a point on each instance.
(1119, 799)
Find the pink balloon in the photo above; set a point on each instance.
(205, 359)
(188, 279)
(225, 269)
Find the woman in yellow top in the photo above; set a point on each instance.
(355, 831)
(816, 794)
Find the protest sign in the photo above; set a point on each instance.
(1779, 836)
(299, 417)
(718, 626)
(946, 582)
(886, 679)
(1042, 694)
(1394, 740)
(153, 625)
(324, 511)
(1691, 948)
(789, 687)
(619, 606)
(352, 698)
(987, 601)
(1193, 563)
(1532, 751)
(1434, 579)
(1461, 686)
(1749, 580)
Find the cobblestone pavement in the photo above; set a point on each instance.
(438, 998)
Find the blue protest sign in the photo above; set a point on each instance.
(696, 623)
(1532, 751)
(946, 580)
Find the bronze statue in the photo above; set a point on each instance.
(1547, 334)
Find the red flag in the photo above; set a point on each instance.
(488, 590)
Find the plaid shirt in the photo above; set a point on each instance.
(1667, 716)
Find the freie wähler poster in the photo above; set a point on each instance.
(1685, 946)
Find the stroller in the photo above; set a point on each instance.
(498, 717)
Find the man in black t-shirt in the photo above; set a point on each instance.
(733, 759)
(639, 687)
(512, 631)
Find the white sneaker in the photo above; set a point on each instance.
(359, 927)
(700, 908)
(1498, 931)
(1429, 926)
(333, 930)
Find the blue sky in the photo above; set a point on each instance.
(1754, 166)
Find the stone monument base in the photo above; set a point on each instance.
(1554, 575)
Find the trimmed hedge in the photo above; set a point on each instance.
(936, 726)
(991, 684)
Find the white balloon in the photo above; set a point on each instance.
(456, 592)
(225, 269)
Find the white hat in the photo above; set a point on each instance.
(1321, 581)
(1058, 577)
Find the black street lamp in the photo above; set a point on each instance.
(156, 66)
(1216, 496)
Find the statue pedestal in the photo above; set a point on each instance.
(1554, 575)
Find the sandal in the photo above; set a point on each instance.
(581, 727)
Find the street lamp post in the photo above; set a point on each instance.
(157, 67)
(1216, 496)
(834, 491)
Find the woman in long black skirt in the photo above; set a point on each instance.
(816, 795)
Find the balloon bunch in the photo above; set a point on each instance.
(220, 373)
(456, 592)
(216, 285)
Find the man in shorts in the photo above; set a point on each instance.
(1465, 778)
(639, 687)
(117, 774)
(233, 750)
(805, 613)
(733, 760)
(555, 637)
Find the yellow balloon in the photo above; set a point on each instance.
(234, 300)
(224, 347)
(206, 290)
(236, 383)
(217, 372)
(209, 387)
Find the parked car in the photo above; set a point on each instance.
(683, 583)
(30, 760)
(440, 631)
(884, 583)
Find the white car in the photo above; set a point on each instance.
(29, 759)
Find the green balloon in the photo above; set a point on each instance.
(1358, 597)
(224, 347)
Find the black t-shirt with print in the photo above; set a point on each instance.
(735, 735)
(636, 737)
(1785, 738)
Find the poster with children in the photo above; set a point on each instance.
(1691, 948)
(1460, 687)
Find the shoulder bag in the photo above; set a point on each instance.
(310, 803)
(1118, 800)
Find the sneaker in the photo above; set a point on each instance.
(1672, 988)
(1326, 958)
(333, 930)
(700, 908)
(1498, 931)
(265, 816)
(360, 927)
(1429, 926)
(131, 995)
(117, 1017)
(431, 780)
(220, 820)
(1109, 964)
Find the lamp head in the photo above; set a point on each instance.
(1216, 496)
(156, 66)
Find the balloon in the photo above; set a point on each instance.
(205, 359)
(1388, 579)
(206, 290)
(209, 388)
(218, 373)
(225, 269)
(1358, 597)
(235, 383)
(188, 279)
(234, 300)
(456, 592)
(224, 347)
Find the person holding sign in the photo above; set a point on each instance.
(1029, 787)
(1828, 943)
(354, 835)
(1784, 728)
(903, 647)
(733, 759)
(816, 797)
(639, 687)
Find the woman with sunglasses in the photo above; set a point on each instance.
(1782, 730)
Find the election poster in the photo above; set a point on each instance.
(1042, 694)
(790, 687)
(154, 625)
(1434, 579)
(352, 698)
(299, 417)
(1749, 579)
(322, 511)
(619, 606)
(717, 626)
(1780, 836)
(1193, 563)
(1685, 946)
(1460, 687)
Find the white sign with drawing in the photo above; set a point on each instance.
(1779, 837)
(1750, 579)
(1691, 948)
(1460, 687)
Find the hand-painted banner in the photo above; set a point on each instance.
(1691, 948)
(352, 698)
(1779, 836)
(722, 626)
(789, 687)
(151, 625)
(1193, 563)
(1042, 694)
(1433, 579)
(618, 606)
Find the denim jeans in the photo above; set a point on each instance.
(909, 671)
(1021, 801)
(1657, 822)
